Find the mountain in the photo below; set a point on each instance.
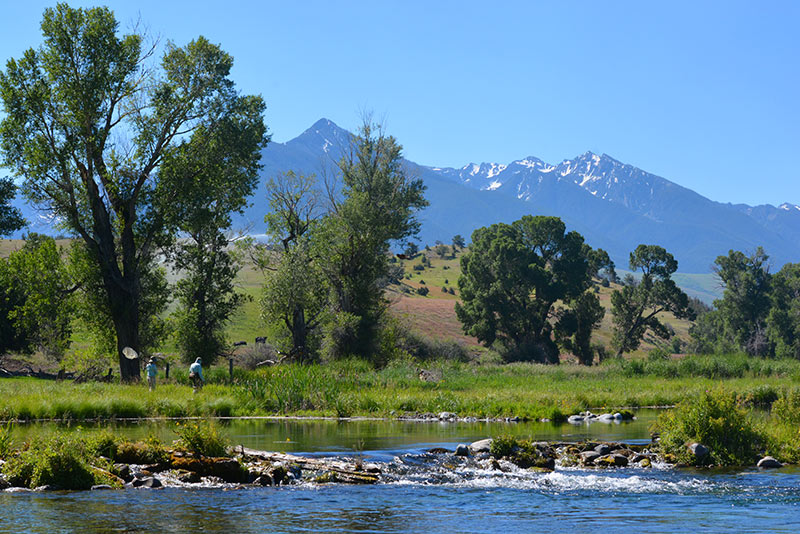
(614, 205)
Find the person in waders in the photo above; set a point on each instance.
(151, 371)
(196, 375)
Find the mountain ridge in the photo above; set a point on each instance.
(615, 205)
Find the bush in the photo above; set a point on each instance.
(202, 438)
(423, 291)
(717, 422)
(5, 440)
(58, 461)
(418, 267)
(786, 409)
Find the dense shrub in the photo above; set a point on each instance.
(717, 422)
(786, 409)
(58, 461)
(5, 440)
(203, 438)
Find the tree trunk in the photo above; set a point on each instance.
(299, 330)
(124, 301)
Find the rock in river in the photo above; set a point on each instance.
(462, 450)
(699, 451)
(483, 445)
(768, 462)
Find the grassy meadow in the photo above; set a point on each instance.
(355, 388)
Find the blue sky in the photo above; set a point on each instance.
(702, 93)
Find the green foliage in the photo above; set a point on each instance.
(583, 316)
(206, 295)
(72, 103)
(783, 320)
(512, 277)
(786, 409)
(458, 242)
(94, 309)
(10, 217)
(60, 461)
(745, 302)
(636, 306)
(36, 298)
(202, 438)
(5, 440)
(149, 451)
(503, 446)
(377, 206)
(716, 421)
(521, 452)
(210, 176)
(295, 293)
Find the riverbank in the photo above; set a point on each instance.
(408, 389)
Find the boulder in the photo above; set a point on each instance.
(447, 416)
(46, 487)
(227, 469)
(483, 445)
(698, 450)
(4, 484)
(612, 460)
(768, 462)
(575, 419)
(263, 480)
(146, 482)
(123, 471)
(101, 487)
(462, 450)
(617, 416)
(603, 449)
(588, 457)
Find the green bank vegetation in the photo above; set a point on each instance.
(71, 461)
(734, 433)
(356, 388)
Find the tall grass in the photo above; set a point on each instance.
(353, 387)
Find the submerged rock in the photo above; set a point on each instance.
(97, 487)
(462, 450)
(146, 482)
(768, 462)
(188, 477)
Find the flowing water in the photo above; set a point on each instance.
(426, 493)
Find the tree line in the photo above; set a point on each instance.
(144, 159)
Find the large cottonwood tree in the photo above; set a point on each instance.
(89, 120)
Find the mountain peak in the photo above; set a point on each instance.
(324, 133)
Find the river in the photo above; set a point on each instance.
(425, 493)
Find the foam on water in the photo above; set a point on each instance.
(425, 471)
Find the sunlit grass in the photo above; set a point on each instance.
(352, 387)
